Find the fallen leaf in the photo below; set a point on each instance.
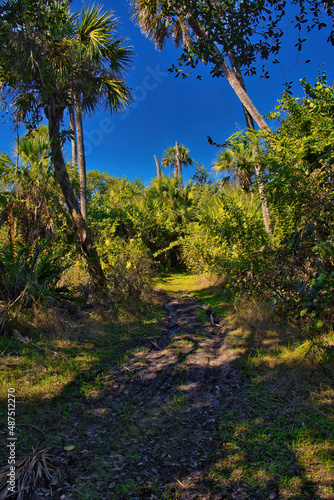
(69, 448)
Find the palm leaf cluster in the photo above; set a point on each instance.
(30, 274)
(170, 160)
(238, 160)
(63, 56)
(31, 472)
(31, 205)
(155, 23)
(101, 59)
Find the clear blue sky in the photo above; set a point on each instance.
(167, 109)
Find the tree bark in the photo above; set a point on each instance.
(234, 78)
(81, 159)
(263, 196)
(54, 117)
(74, 137)
(259, 176)
(249, 120)
(178, 164)
(230, 76)
(158, 167)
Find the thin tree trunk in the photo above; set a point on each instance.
(158, 167)
(263, 196)
(178, 164)
(54, 116)
(81, 159)
(259, 176)
(74, 143)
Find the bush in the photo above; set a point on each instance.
(30, 273)
(127, 266)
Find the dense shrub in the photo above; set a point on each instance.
(128, 267)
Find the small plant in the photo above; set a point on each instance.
(29, 274)
(31, 472)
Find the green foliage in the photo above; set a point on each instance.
(31, 204)
(249, 32)
(201, 176)
(29, 273)
(227, 231)
(155, 215)
(239, 158)
(127, 266)
(296, 268)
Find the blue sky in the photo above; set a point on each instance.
(167, 109)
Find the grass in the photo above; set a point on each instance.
(285, 438)
(56, 378)
(211, 291)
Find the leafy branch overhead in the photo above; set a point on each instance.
(251, 31)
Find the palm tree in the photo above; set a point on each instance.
(37, 67)
(96, 46)
(238, 159)
(176, 157)
(155, 23)
(40, 66)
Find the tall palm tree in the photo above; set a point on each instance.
(155, 23)
(96, 45)
(176, 157)
(40, 66)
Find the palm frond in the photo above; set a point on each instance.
(33, 471)
(95, 30)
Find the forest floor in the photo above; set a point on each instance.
(184, 405)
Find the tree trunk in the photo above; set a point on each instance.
(263, 196)
(158, 167)
(249, 120)
(54, 117)
(81, 159)
(74, 143)
(178, 164)
(234, 78)
(259, 176)
(230, 76)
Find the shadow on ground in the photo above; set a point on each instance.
(187, 414)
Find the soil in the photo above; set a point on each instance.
(154, 433)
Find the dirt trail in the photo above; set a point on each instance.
(171, 395)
